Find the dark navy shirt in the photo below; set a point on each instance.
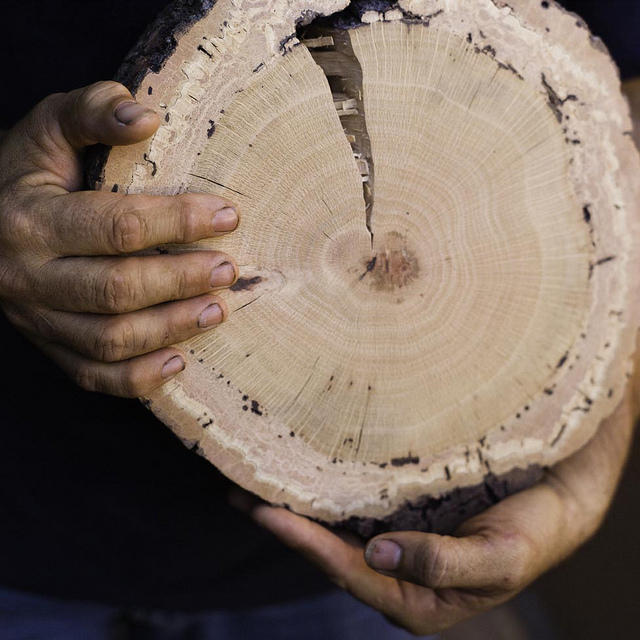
(98, 500)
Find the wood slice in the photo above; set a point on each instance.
(439, 279)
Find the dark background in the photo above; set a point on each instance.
(595, 595)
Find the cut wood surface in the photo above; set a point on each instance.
(438, 250)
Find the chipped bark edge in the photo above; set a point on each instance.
(149, 55)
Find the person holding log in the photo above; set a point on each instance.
(105, 520)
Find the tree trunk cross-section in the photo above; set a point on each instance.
(439, 277)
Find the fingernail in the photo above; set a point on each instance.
(172, 366)
(210, 315)
(223, 275)
(383, 555)
(225, 220)
(129, 112)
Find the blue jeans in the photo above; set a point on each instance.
(332, 616)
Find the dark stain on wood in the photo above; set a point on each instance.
(488, 50)
(562, 360)
(246, 284)
(600, 262)
(402, 461)
(255, 408)
(203, 50)
(370, 266)
(511, 68)
(154, 166)
(554, 100)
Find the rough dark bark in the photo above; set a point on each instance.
(149, 54)
(446, 513)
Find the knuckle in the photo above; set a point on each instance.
(85, 376)
(115, 291)
(90, 97)
(132, 382)
(181, 284)
(431, 564)
(519, 556)
(83, 104)
(16, 225)
(127, 231)
(115, 341)
(189, 218)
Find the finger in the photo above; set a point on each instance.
(128, 379)
(103, 112)
(62, 124)
(112, 338)
(501, 550)
(98, 223)
(420, 610)
(440, 562)
(122, 285)
(342, 562)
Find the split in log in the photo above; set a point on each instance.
(438, 265)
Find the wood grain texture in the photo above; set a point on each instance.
(439, 277)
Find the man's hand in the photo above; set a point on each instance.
(66, 280)
(427, 583)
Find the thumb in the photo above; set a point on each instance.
(104, 112)
(52, 134)
(477, 561)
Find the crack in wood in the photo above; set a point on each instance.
(218, 184)
(332, 50)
